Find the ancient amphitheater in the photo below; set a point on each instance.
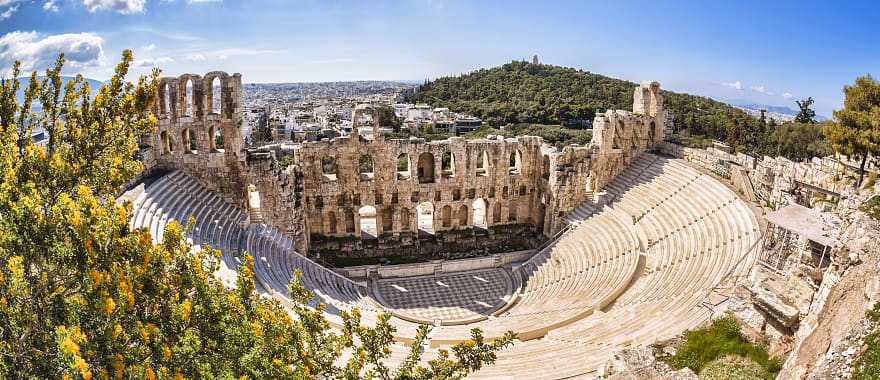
(637, 246)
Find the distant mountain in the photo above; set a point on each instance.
(93, 83)
(778, 113)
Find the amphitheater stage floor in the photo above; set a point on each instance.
(446, 299)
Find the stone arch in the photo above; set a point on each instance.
(403, 171)
(425, 217)
(387, 219)
(447, 164)
(496, 213)
(514, 164)
(462, 216)
(167, 97)
(188, 141)
(365, 167)
(483, 164)
(367, 217)
(216, 98)
(328, 166)
(215, 138)
(405, 219)
(479, 209)
(165, 142)
(425, 168)
(446, 216)
(188, 97)
(332, 224)
(349, 221)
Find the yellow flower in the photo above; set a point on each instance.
(109, 305)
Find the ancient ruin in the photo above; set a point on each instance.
(582, 251)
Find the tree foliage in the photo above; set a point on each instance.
(83, 296)
(867, 365)
(805, 114)
(522, 92)
(387, 117)
(856, 132)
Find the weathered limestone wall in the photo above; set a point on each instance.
(185, 138)
(469, 192)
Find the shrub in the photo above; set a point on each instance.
(721, 338)
(867, 365)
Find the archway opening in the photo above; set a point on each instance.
(328, 167)
(332, 223)
(216, 102)
(446, 216)
(462, 216)
(387, 220)
(368, 222)
(166, 100)
(447, 164)
(365, 167)
(165, 142)
(403, 166)
(425, 169)
(483, 164)
(479, 207)
(189, 141)
(514, 162)
(425, 217)
(188, 100)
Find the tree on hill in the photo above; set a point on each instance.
(856, 131)
(521, 92)
(83, 296)
(806, 115)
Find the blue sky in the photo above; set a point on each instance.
(765, 52)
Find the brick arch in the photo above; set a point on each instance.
(166, 99)
(209, 95)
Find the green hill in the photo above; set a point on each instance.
(521, 92)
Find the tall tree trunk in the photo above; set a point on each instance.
(862, 170)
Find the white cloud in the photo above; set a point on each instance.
(122, 6)
(227, 53)
(737, 85)
(50, 6)
(9, 12)
(760, 89)
(149, 47)
(39, 52)
(195, 57)
(787, 95)
(152, 62)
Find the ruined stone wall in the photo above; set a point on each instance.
(189, 124)
(619, 137)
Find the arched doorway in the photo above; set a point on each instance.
(425, 168)
(368, 222)
(480, 214)
(425, 217)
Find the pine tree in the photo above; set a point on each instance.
(805, 115)
(856, 131)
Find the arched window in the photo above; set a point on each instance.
(349, 221)
(511, 213)
(403, 166)
(480, 213)
(166, 100)
(365, 167)
(331, 222)
(368, 222)
(328, 167)
(425, 168)
(188, 100)
(462, 216)
(404, 219)
(615, 141)
(496, 212)
(387, 220)
(215, 96)
(189, 141)
(515, 162)
(447, 164)
(215, 139)
(425, 217)
(446, 216)
(652, 130)
(483, 164)
(165, 142)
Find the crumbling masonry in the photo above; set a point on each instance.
(367, 194)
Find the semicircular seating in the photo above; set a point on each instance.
(628, 274)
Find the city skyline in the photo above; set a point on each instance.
(747, 52)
